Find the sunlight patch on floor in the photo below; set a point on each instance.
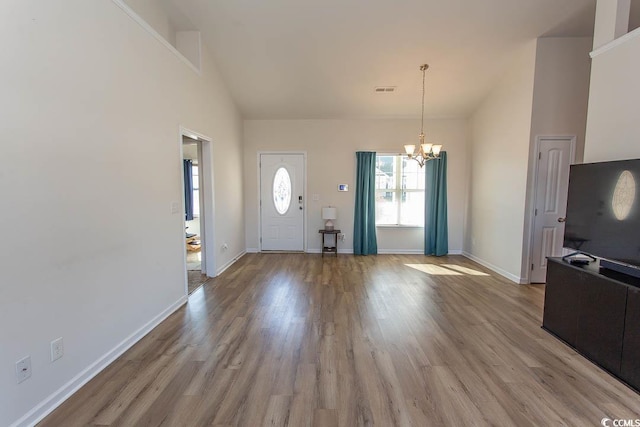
(446, 270)
(434, 270)
(465, 270)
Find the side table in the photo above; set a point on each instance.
(329, 249)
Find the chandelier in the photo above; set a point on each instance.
(426, 151)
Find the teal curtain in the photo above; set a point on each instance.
(436, 235)
(364, 224)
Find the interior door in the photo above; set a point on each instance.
(282, 202)
(552, 183)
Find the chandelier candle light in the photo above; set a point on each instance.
(329, 214)
(426, 151)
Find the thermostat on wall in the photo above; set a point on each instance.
(343, 187)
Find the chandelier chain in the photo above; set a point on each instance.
(424, 70)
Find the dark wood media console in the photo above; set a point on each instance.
(597, 312)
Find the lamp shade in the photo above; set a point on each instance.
(329, 213)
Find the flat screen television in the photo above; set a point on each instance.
(603, 212)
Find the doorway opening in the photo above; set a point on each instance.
(197, 179)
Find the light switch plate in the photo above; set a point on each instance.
(343, 187)
(175, 207)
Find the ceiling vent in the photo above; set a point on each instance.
(385, 89)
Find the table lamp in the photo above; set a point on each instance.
(329, 214)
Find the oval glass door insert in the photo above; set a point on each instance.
(282, 191)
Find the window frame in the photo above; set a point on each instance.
(398, 190)
(195, 190)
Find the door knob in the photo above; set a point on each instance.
(562, 219)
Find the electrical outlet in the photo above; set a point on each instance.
(23, 369)
(341, 237)
(57, 349)
(225, 247)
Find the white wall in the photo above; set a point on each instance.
(96, 103)
(189, 44)
(500, 131)
(330, 146)
(153, 12)
(543, 93)
(560, 99)
(613, 124)
(612, 21)
(561, 88)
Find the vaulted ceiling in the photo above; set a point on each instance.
(288, 59)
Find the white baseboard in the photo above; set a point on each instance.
(400, 251)
(230, 263)
(496, 269)
(387, 251)
(54, 400)
(411, 252)
(381, 251)
(319, 251)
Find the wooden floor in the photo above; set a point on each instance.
(296, 339)
(195, 279)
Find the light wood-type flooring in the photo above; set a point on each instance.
(300, 340)
(195, 279)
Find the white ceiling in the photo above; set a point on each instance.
(290, 59)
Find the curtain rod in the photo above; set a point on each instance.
(384, 152)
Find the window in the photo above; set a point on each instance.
(196, 190)
(282, 191)
(399, 191)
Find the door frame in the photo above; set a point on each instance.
(304, 186)
(207, 205)
(571, 139)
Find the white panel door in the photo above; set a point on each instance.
(282, 202)
(552, 183)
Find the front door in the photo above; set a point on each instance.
(552, 184)
(282, 202)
